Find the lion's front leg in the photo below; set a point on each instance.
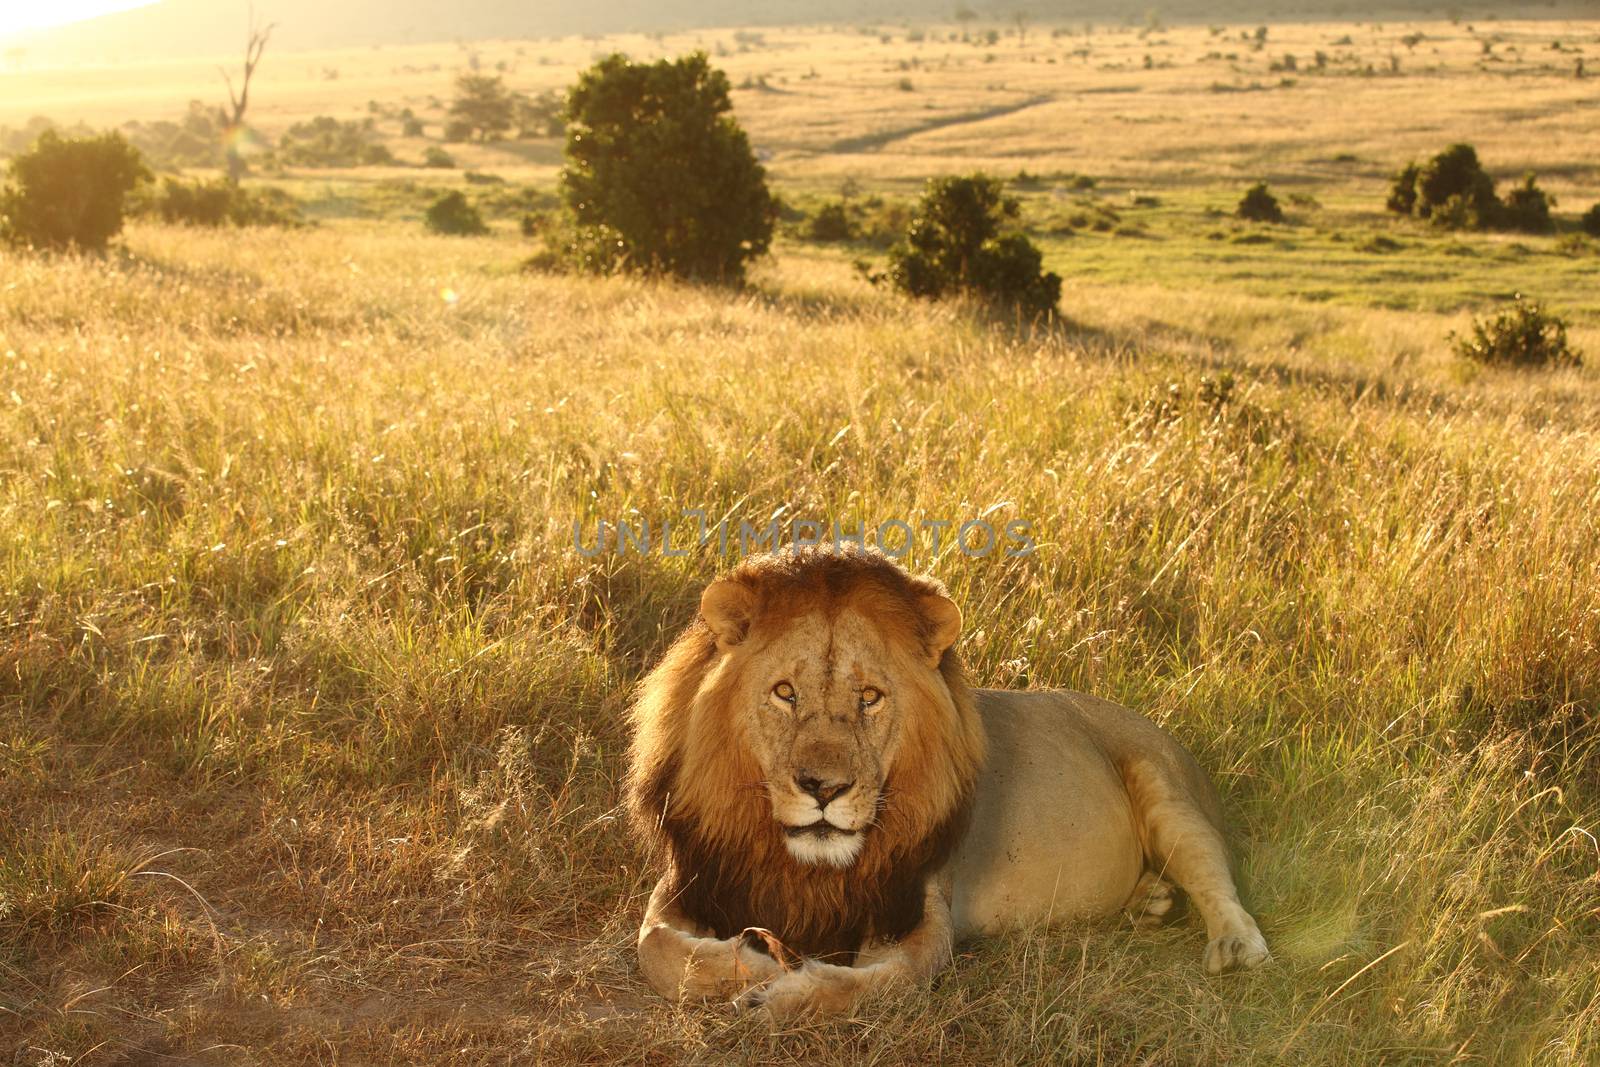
(827, 989)
(680, 963)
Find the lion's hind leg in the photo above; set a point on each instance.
(1155, 902)
(1183, 842)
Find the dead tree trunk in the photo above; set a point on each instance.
(238, 102)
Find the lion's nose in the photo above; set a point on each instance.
(824, 791)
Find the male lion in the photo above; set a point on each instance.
(837, 808)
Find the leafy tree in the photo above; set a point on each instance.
(956, 244)
(69, 193)
(1259, 205)
(483, 105)
(539, 116)
(659, 177)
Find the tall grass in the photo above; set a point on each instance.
(289, 583)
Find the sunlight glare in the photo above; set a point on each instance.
(16, 17)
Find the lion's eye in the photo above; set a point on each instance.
(870, 697)
(784, 692)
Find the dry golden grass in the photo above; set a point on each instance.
(311, 716)
(311, 723)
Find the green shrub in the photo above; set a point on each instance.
(1591, 221)
(1522, 335)
(452, 214)
(438, 158)
(69, 193)
(1527, 208)
(635, 129)
(220, 203)
(831, 223)
(955, 244)
(1259, 205)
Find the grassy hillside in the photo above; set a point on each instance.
(311, 715)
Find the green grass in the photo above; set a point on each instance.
(291, 615)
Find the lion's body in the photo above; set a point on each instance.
(825, 786)
(1053, 835)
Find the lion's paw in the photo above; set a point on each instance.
(1239, 951)
(813, 989)
(1155, 901)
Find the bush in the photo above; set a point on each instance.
(634, 129)
(1527, 208)
(831, 223)
(326, 142)
(1259, 205)
(1454, 191)
(1522, 335)
(452, 214)
(196, 140)
(1403, 190)
(220, 203)
(1591, 221)
(955, 244)
(438, 158)
(1456, 181)
(69, 193)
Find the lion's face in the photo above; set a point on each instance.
(823, 697)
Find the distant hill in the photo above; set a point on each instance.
(201, 27)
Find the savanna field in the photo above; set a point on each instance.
(312, 718)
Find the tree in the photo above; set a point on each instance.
(956, 244)
(659, 177)
(233, 119)
(539, 116)
(483, 105)
(69, 193)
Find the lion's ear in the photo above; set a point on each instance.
(944, 624)
(728, 607)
